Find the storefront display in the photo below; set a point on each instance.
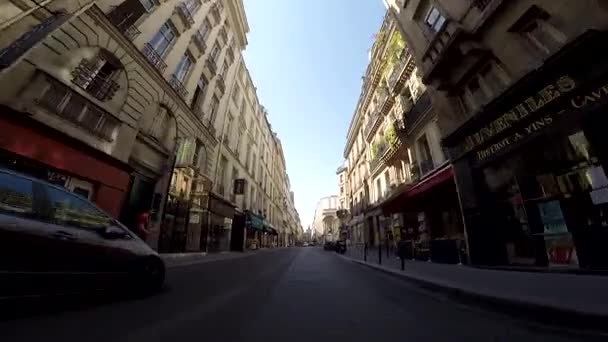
(532, 170)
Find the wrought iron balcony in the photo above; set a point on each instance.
(185, 15)
(154, 57)
(420, 108)
(178, 86)
(199, 40)
(441, 51)
(95, 82)
(401, 71)
(67, 104)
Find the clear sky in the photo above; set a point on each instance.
(306, 59)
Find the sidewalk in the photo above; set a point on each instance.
(185, 259)
(554, 294)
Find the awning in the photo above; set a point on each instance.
(253, 221)
(440, 176)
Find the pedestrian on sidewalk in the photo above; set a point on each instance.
(143, 221)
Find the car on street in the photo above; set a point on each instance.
(305, 244)
(54, 241)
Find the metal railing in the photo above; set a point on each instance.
(67, 104)
(421, 106)
(154, 57)
(199, 40)
(99, 85)
(184, 13)
(178, 86)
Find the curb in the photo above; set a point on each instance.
(538, 311)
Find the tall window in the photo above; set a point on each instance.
(199, 95)
(215, 52)
(215, 103)
(183, 67)
(236, 94)
(205, 29)
(222, 174)
(199, 157)
(163, 39)
(229, 129)
(192, 5)
(95, 75)
(434, 19)
(544, 36)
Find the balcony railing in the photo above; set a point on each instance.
(372, 124)
(154, 57)
(178, 86)
(67, 104)
(401, 71)
(199, 40)
(96, 83)
(184, 13)
(421, 106)
(131, 32)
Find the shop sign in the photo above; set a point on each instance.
(550, 93)
(532, 104)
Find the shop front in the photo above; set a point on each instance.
(221, 213)
(425, 218)
(30, 147)
(531, 169)
(254, 226)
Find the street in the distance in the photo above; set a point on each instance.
(295, 294)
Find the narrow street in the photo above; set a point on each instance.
(297, 294)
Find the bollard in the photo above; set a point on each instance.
(365, 252)
(379, 254)
(402, 264)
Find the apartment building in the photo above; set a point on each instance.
(520, 88)
(402, 185)
(125, 103)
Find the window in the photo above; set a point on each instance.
(95, 75)
(534, 26)
(148, 4)
(236, 94)
(494, 78)
(434, 19)
(215, 52)
(163, 39)
(229, 129)
(199, 154)
(181, 71)
(224, 70)
(16, 196)
(74, 211)
(222, 174)
(477, 94)
(205, 29)
(199, 95)
(191, 5)
(215, 103)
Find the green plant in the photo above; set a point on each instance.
(391, 135)
(373, 151)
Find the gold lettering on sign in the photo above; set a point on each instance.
(549, 93)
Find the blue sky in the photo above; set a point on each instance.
(306, 59)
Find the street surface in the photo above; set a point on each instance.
(296, 294)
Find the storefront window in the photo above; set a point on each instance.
(549, 201)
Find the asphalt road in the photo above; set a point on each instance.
(297, 294)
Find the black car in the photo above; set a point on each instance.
(53, 241)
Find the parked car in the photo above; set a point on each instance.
(53, 241)
(329, 246)
(305, 244)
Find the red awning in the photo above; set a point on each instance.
(438, 177)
